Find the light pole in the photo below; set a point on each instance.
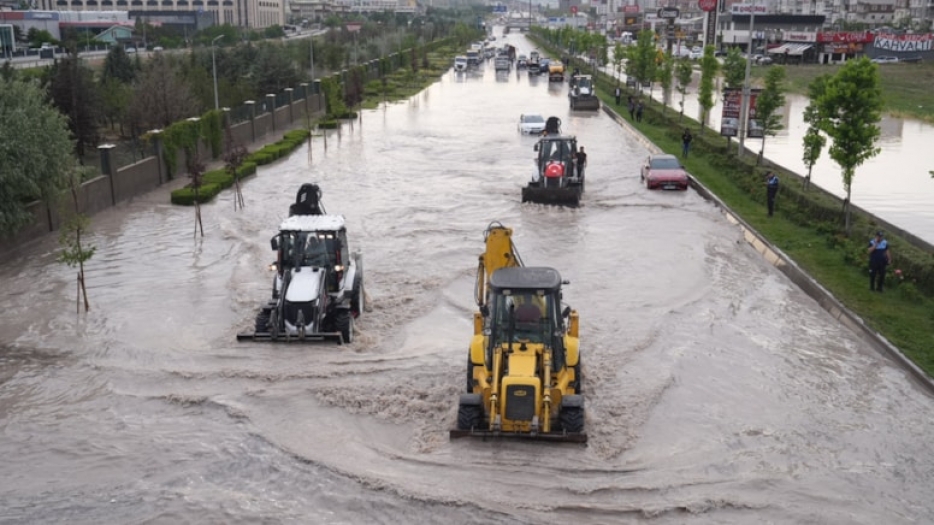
(214, 67)
(744, 108)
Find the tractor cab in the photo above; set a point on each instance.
(555, 159)
(312, 241)
(526, 309)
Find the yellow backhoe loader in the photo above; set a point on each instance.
(523, 366)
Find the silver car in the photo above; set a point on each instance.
(531, 124)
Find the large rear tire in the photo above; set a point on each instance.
(358, 298)
(578, 382)
(344, 324)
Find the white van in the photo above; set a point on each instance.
(460, 63)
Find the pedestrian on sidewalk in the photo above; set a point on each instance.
(879, 259)
(639, 108)
(686, 139)
(618, 93)
(771, 184)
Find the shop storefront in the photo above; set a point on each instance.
(836, 47)
(798, 47)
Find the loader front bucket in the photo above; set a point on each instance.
(566, 196)
(587, 104)
(266, 337)
(554, 437)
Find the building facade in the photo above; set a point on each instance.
(255, 14)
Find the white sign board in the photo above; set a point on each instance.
(745, 9)
(799, 36)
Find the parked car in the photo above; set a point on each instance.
(885, 60)
(763, 60)
(531, 123)
(664, 172)
(696, 54)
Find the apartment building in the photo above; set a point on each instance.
(255, 14)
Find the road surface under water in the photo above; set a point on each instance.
(716, 391)
(894, 184)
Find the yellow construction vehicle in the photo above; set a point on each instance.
(555, 71)
(523, 367)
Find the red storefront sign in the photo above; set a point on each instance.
(630, 9)
(844, 37)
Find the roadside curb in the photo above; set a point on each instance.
(787, 266)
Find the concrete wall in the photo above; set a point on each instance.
(135, 179)
(262, 125)
(242, 133)
(143, 176)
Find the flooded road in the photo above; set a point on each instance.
(894, 185)
(716, 391)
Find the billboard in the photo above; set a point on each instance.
(732, 110)
(754, 125)
(7, 41)
(732, 107)
(904, 43)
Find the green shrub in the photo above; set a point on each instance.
(261, 158)
(219, 177)
(328, 124)
(247, 169)
(296, 135)
(186, 196)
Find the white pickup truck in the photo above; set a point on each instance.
(460, 63)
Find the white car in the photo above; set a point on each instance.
(531, 124)
(885, 60)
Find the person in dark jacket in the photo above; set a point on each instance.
(879, 258)
(771, 184)
(581, 159)
(618, 93)
(686, 139)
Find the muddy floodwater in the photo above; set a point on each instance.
(894, 184)
(716, 391)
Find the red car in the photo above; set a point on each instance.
(664, 172)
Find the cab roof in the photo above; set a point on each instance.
(311, 223)
(534, 278)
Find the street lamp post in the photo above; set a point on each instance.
(744, 108)
(214, 68)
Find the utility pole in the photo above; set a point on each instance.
(311, 56)
(214, 68)
(744, 108)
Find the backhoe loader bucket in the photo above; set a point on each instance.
(567, 196)
(554, 437)
(267, 337)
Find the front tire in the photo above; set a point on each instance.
(572, 419)
(469, 417)
(344, 324)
